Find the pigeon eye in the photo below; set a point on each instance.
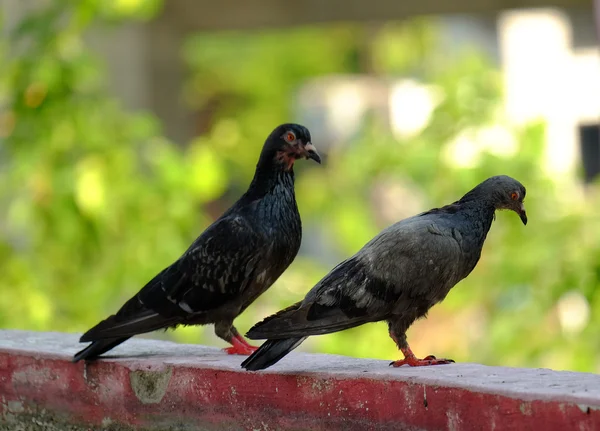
(290, 137)
(514, 196)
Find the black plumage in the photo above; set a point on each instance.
(226, 268)
(396, 277)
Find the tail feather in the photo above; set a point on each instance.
(132, 319)
(270, 353)
(118, 326)
(299, 320)
(97, 348)
(290, 318)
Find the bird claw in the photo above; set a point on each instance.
(426, 361)
(240, 350)
(239, 346)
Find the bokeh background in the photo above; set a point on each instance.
(127, 126)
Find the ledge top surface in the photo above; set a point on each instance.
(523, 383)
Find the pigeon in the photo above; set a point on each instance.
(396, 277)
(235, 260)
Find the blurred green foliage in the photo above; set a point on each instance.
(95, 201)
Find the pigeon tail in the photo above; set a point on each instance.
(296, 321)
(271, 352)
(127, 326)
(97, 348)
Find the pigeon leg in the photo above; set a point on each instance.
(409, 357)
(229, 333)
(411, 360)
(249, 347)
(240, 347)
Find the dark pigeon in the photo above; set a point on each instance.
(226, 268)
(397, 277)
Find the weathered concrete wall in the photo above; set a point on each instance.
(152, 385)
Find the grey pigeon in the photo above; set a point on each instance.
(235, 260)
(397, 276)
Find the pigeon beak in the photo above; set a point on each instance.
(522, 214)
(311, 152)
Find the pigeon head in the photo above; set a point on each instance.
(504, 192)
(288, 143)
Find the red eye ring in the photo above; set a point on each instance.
(514, 196)
(290, 137)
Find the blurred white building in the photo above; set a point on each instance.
(551, 68)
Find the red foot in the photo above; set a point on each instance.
(414, 362)
(243, 350)
(240, 347)
(411, 360)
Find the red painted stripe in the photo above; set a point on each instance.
(124, 393)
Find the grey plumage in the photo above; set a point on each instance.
(226, 268)
(397, 276)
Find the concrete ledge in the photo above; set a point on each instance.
(154, 385)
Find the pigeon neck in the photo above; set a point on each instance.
(481, 210)
(477, 202)
(478, 197)
(269, 174)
